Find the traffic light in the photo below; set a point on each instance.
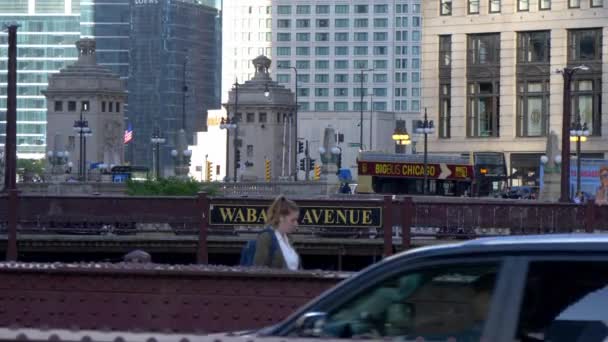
(303, 164)
(237, 158)
(268, 171)
(317, 174)
(339, 161)
(311, 164)
(300, 147)
(209, 171)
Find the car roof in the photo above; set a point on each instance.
(516, 243)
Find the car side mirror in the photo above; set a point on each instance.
(311, 324)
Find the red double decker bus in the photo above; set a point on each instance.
(474, 174)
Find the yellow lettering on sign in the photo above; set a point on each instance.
(461, 172)
(367, 216)
(252, 215)
(329, 217)
(354, 216)
(227, 214)
(240, 217)
(341, 217)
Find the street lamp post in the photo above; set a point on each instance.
(361, 108)
(425, 127)
(157, 139)
(295, 121)
(567, 74)
(57, 159)
(81, 127)
(578, 134)
(400, 137)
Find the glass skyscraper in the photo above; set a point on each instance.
(175, 72)
(49, 29)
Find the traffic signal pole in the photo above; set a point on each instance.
(306, 162)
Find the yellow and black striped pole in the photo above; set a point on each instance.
(317, 174)
(268, 171)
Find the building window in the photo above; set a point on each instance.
(322, 51)
(361, 22)
(301, 50)
(283, 9)
(584, 45)
(597, 3)
(360, 50)
(304, 92)
(533, 47)
(303, 9)
(544, 5)
(574, 3)
(322, 64)
(523, 5)
(283, 23)
(495, 6)
(340, 106)
(302, 37)
(71, 106)
(341, 78)
(381, 22)
(322, 78)
(483, 109)
(58, 106)
(321, 106)
(303, 78)
(322, 9)
(341, 23)
(532, 108)
(340, 91)
(380, 92)
(322, 36)
(249, 151)
(283, 78)
(473, 7)
(380, 64)
(341, 36)
(263, 117)
(360, 36)
(283, 51)
(586, 100)
(341, 50)
(321, 92)
(341, 9)
(117, 107)
(341, 64)
(283, 37)
(446, 7)
(303, 65)
(110, 106)
(323, 23)
(380, 50)
(360, 9)
(360, 64)
(302, 23)
(103, 106)
(380, 36)
(445, 109)
(445, 51)
(484, 49)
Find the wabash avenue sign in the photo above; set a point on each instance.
(416, 170)
(310, 216)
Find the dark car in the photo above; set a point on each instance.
(525, 288)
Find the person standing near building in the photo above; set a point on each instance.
(273, 248)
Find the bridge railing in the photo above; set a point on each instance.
(413, 218)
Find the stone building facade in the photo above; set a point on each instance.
(490, 80)
(85, 91)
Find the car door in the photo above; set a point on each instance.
(437, 300)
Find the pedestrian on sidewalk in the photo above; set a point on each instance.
(274, 249)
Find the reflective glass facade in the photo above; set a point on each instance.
(171, 42)
(108, 22)
(46, 40)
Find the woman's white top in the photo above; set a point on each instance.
(292, 259)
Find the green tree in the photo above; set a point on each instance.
(30, 170)
(170, 187)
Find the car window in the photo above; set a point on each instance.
(565, 301)
(448, 303)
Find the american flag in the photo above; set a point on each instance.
(128, 134)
